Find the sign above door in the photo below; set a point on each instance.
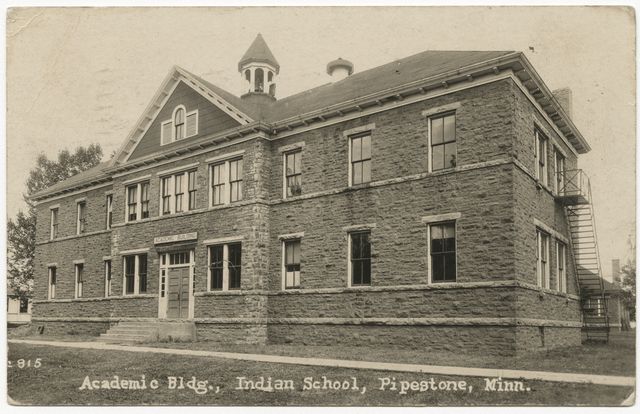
(175, 238)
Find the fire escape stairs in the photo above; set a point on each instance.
(575, 193)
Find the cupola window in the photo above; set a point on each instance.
(259, 80)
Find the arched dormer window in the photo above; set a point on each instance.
(178, 124)
(182, 125)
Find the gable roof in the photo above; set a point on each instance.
(259, 52)
(175, 76)
(437, 67)
(91, 176)
(399, 72)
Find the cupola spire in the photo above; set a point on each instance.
(258, 69)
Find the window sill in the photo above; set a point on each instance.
(359, 186)
(75, 236)
(230, 292)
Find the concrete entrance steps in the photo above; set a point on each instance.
(131, 331)
(149, 331)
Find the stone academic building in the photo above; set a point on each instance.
(431, 202)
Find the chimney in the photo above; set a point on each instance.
(615, 270)
(339, 69)
(564, 96)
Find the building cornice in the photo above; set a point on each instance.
(514, 65)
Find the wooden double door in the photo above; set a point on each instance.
(178, 293)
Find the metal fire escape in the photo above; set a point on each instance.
(575, 193)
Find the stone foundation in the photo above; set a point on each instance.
(64, 328)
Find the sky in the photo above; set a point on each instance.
(77, 76)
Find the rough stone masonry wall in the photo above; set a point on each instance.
(96, 208)
(114, 307)
(90, 248)
(434, 302)
(494, 340)
(483, 194)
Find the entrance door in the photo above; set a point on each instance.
(178, 294)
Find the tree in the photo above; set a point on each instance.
(21, 232)
(629, 287)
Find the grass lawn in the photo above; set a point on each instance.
(58, 379)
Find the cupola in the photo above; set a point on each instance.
(258, 69)
(339, 69)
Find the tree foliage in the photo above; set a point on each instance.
(628, 281)
(21, 232)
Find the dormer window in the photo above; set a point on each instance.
(182, 125)
(178, 124)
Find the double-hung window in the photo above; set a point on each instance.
(216, 267)
(235, 265)
(109, 212)
(192, 189)
(107, 278)
(293, 173)
(442, 251)
(542, 259)
(442, 135)
(51, 294)
(81, 225)
(360, 152)
(291, 263)
(561, 271)
(225, 266)
(560, 168)
(226, 180)
(360, 258)
(132, 203)
(135, 274)
(79, 270)
(54, 223)
(166, 195)
(144, 199)
(217, 184)
(541, 157)
(178, 192)
(235, 179)
(137, 201)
